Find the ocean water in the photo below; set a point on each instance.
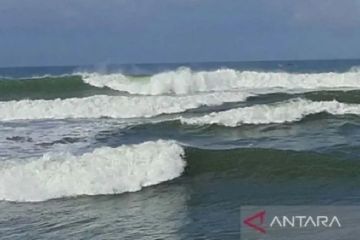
(172, 151)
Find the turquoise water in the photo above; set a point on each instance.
(259, 133)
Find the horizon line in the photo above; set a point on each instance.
(178, 63)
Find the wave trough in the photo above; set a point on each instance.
(106, 170)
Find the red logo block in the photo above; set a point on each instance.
(255, 221)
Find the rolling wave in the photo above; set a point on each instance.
(351, 96)
(48, 87)
(179, 82)
(106, 170)
(111, 106)
(129, 168)
(290, 111)
(268, 164)
(185, 81)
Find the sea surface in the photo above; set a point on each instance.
(172, 151)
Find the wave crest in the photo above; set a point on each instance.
(111, 106)
(106, 170)
(186, 81)
(290, 111)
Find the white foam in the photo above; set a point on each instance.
(289, 111)
(106, 170)
(111, 106)
(185, 81)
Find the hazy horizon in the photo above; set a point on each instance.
(179, 63)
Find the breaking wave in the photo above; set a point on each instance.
(186, 81)
(112, 106)
(106, 170)
(129, 168)
(179, 82)
(290, 111)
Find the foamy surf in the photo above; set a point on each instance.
(186, 81)
(290, 111)
(106, 170)
(112, 106)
